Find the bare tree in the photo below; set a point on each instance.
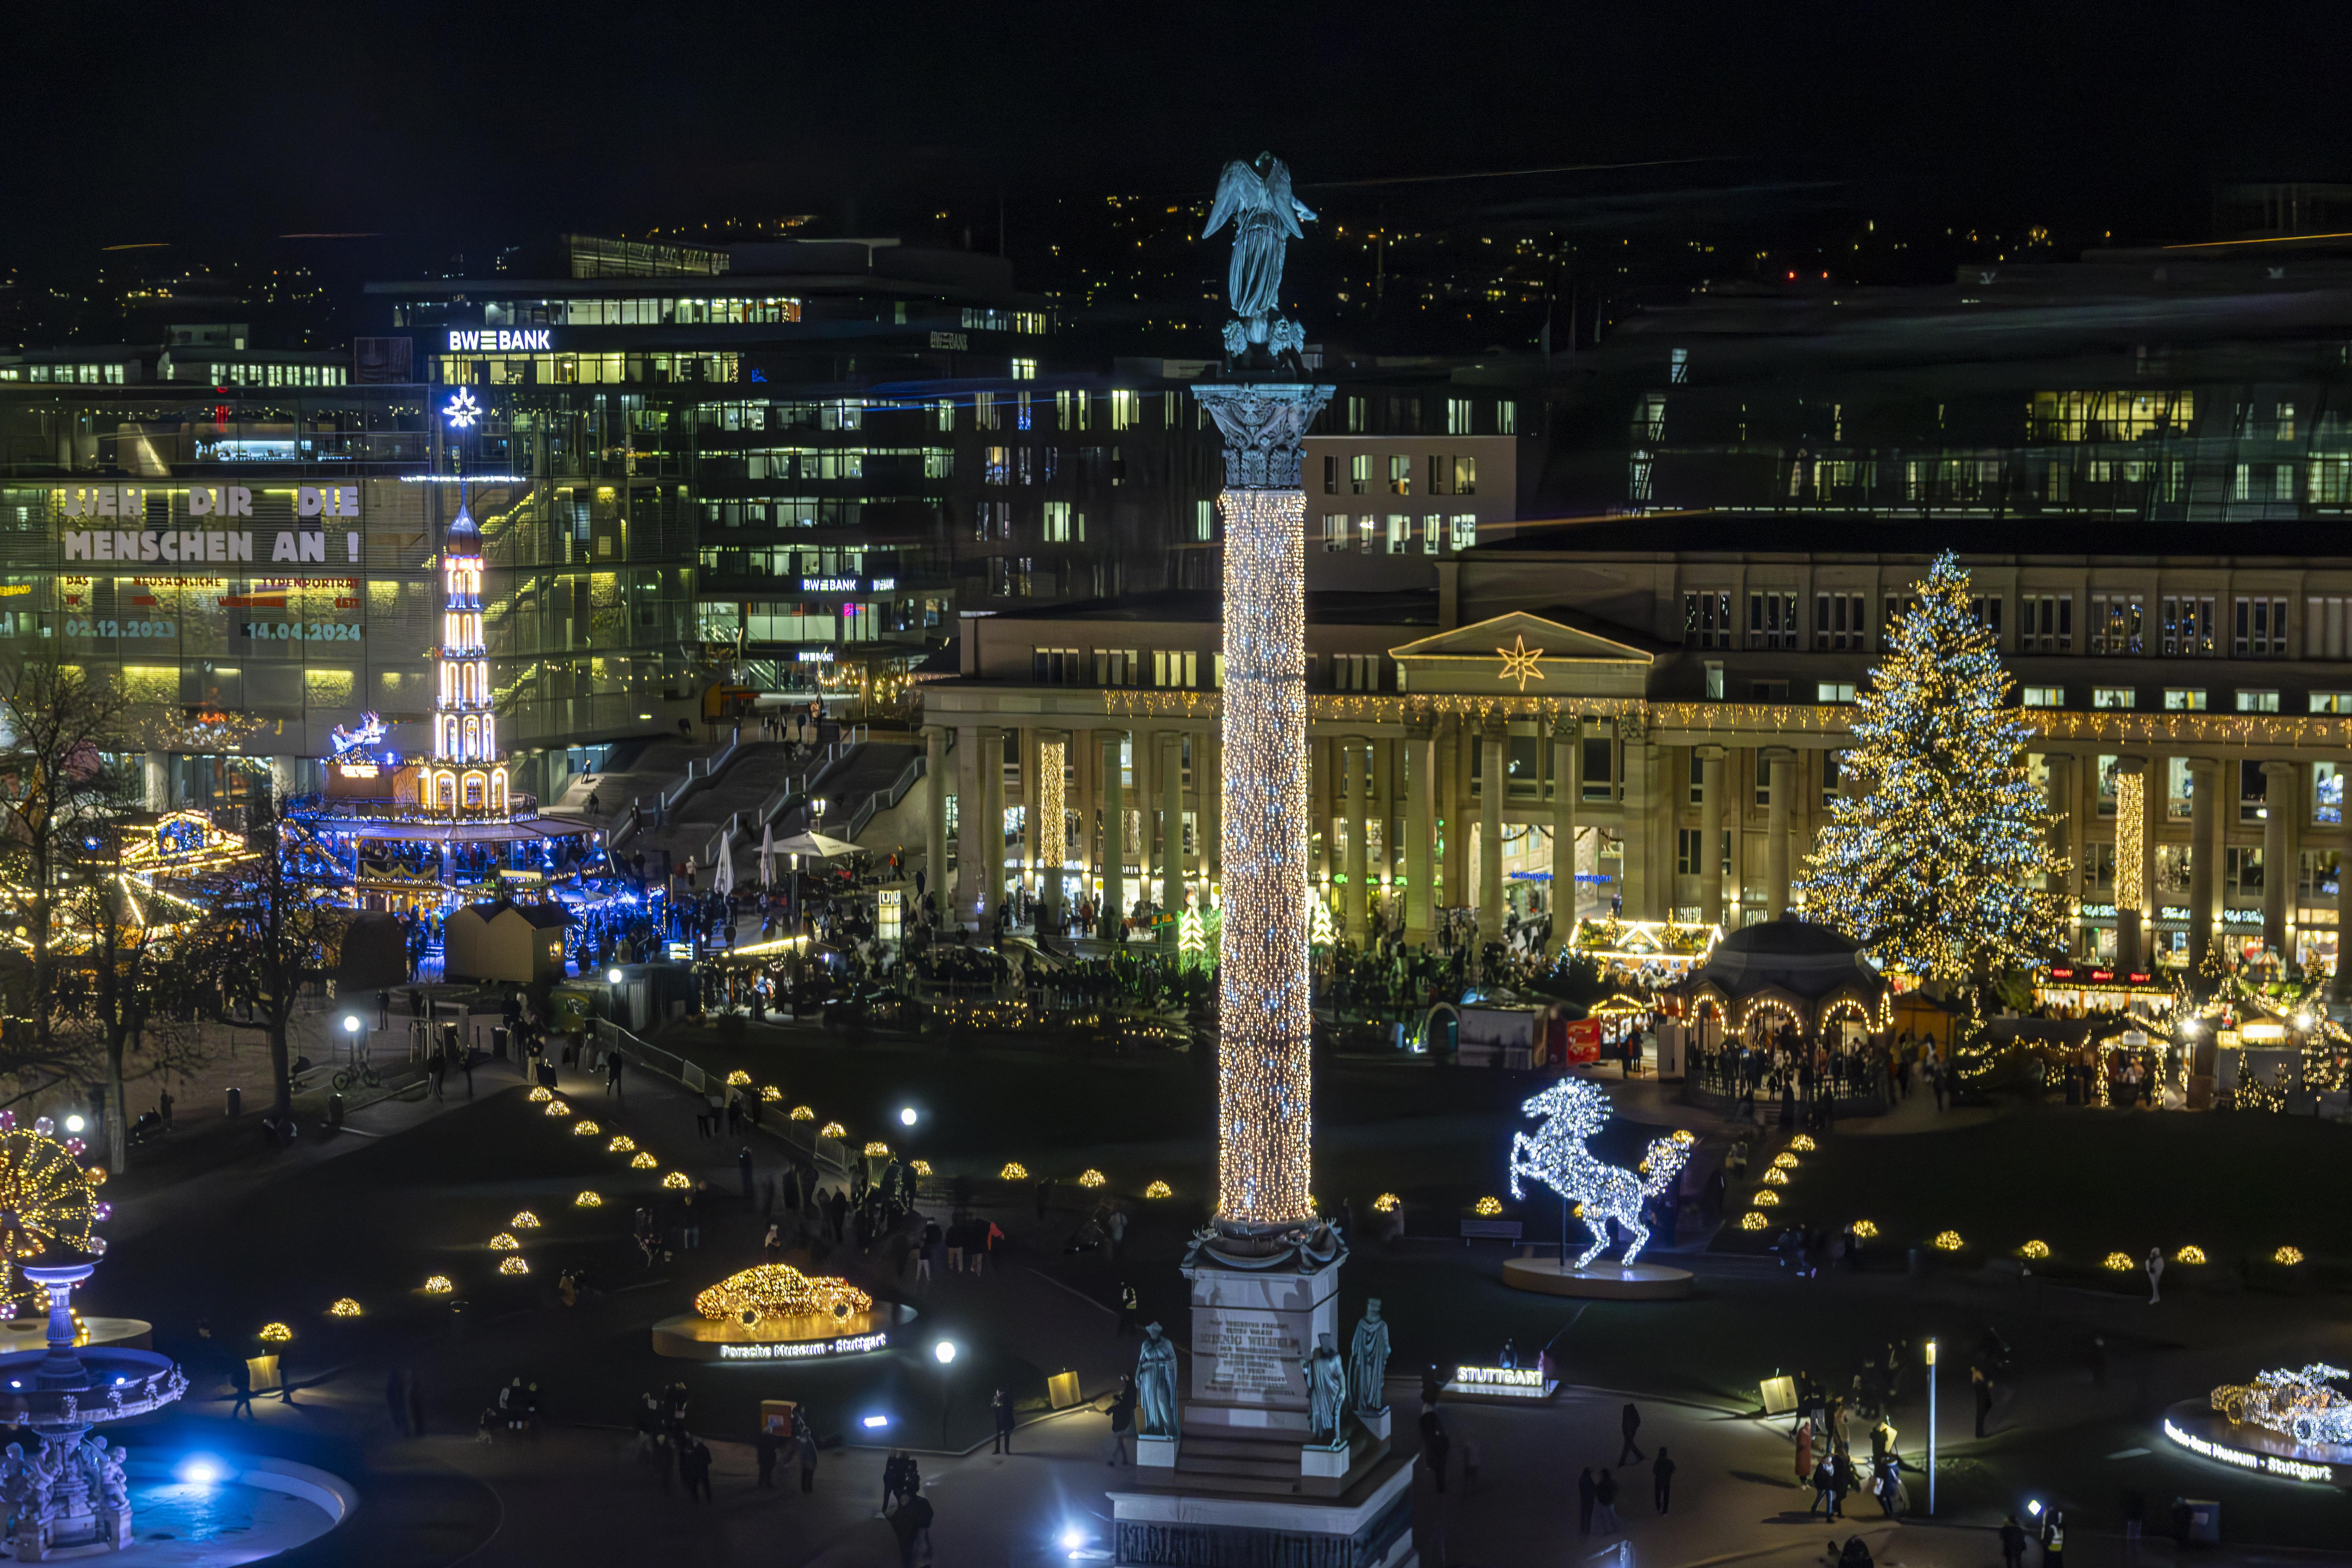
(278, 929)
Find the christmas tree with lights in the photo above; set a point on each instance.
(1938, 858)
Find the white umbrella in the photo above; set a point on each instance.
(724, 881)
(824, 846)
(768, 855)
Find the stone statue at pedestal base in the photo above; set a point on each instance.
(1368, 1360)
(1155, 1384)
(1326, 1392)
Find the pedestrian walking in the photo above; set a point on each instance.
(1981, 1386)
(1604, 1504)
(2012, 1543)
(2155, 1275)
(2054, 1542)
(1824, 1489)
(1585, 1501)
(1001, 1408)
(1805, 1452)
(808, 1461)
(1662, 1479)
(240, 1384)
(1629, 1424)
(1122, 1419)
(767, 1447)
(694, 1464)
(1434, 1445)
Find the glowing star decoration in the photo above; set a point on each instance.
(778, 1290)
(588, 1201)
(541, 1095)
(1802, 1143)
(1092, 1178)
(1753, 1221)
(504, 1242)
(525, 1220)
(438, 1285)
(2287, 1256)
(1937, 854)
(2191, 1254)
(1014, 1171)
(676, 1182)
(1488, 1207)
(1949, 1241)
(622, 1144)
(344, 1308)
(1159, 1190)
(2118, 1262)
(643, 1161)
(513, 1266)
(2298, 1402)
(276, 1334)
(462, 410)
(803, 1113)
(1387, 1202)
(1865, 1230)
(2036, 1250)
(586, 1129)
(1574, 1112)
(1519, 662)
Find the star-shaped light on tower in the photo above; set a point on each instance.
(461, 410)
(1520, 661)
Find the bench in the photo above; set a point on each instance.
(1489, 1230)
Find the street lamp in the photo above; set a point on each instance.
(944, 1352)
(1931, 1428)
(906, 1116)
(352, 1034)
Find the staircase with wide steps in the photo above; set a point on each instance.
(1265, 1464)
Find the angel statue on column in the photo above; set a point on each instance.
(1266, 217)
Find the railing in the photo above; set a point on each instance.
(699, 772)
(883, 799)
(798, 1136)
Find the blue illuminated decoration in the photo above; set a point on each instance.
(461, 410)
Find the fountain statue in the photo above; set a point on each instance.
(68, 1488)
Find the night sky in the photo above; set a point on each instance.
(475, 124)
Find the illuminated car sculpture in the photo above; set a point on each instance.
(2299, 1404)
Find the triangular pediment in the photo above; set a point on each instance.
(1524, 653)
(1518, 630)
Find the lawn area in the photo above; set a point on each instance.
(2089, 1183)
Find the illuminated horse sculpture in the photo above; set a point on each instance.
(1557, 1157)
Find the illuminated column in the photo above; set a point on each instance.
(1353, 904)
(1493, 787)
(2065, 841)
(1172, 816)
(1143, 774)
(2279, 869)
(1113, 796)
(1047, 798)
(1420, 830)
(2343, 982)
(1265, 1085)
(1029, 869)
(1783, 765)
(2204, 861)
(1566, 737)
(157, 795)
(1319, 814)
(971, 807)
(1451, 872)
(2131, 880)
(935, 812)
(1707, 762)
(1389, 811)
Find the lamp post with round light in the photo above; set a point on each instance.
(351, 1035)
(944, 1352)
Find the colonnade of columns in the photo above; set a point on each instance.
(1405, 825)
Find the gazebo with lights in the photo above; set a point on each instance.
(1784, 971)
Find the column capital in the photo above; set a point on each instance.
(2278, 770)
(2203, 765)
(1567, 727)
(1420, 727)
(1712, 754)
(1776, 755)
(1493, 727)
